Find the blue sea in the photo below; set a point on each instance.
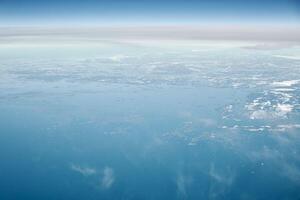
(143, 120)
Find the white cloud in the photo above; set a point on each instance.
(108, 178)
(223, 178)
(270, 46)
(289, 126)
(182, 182)
(259, 114)
(118, 58)
(283, 109)
(288, 57)
(280, 161)
(85, 171)
(288, 83)
(267, 110)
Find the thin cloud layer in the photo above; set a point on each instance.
(288, 33)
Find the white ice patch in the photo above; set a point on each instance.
(285, 83)
(283, 109)
(284, 89)
(288, 57)
(276, 102)
(286, 127)
(118, 58)
(259, 129)
(289, 126)
(265, 110)
(260, 114)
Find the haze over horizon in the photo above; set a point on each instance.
(227, 19)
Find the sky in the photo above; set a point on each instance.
(147, 12)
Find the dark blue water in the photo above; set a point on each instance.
(149, 122)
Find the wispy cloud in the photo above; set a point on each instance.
(108, 178)
(182, 183)
(226, 178)
(85, 171)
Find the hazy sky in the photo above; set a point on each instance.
(132, 12)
